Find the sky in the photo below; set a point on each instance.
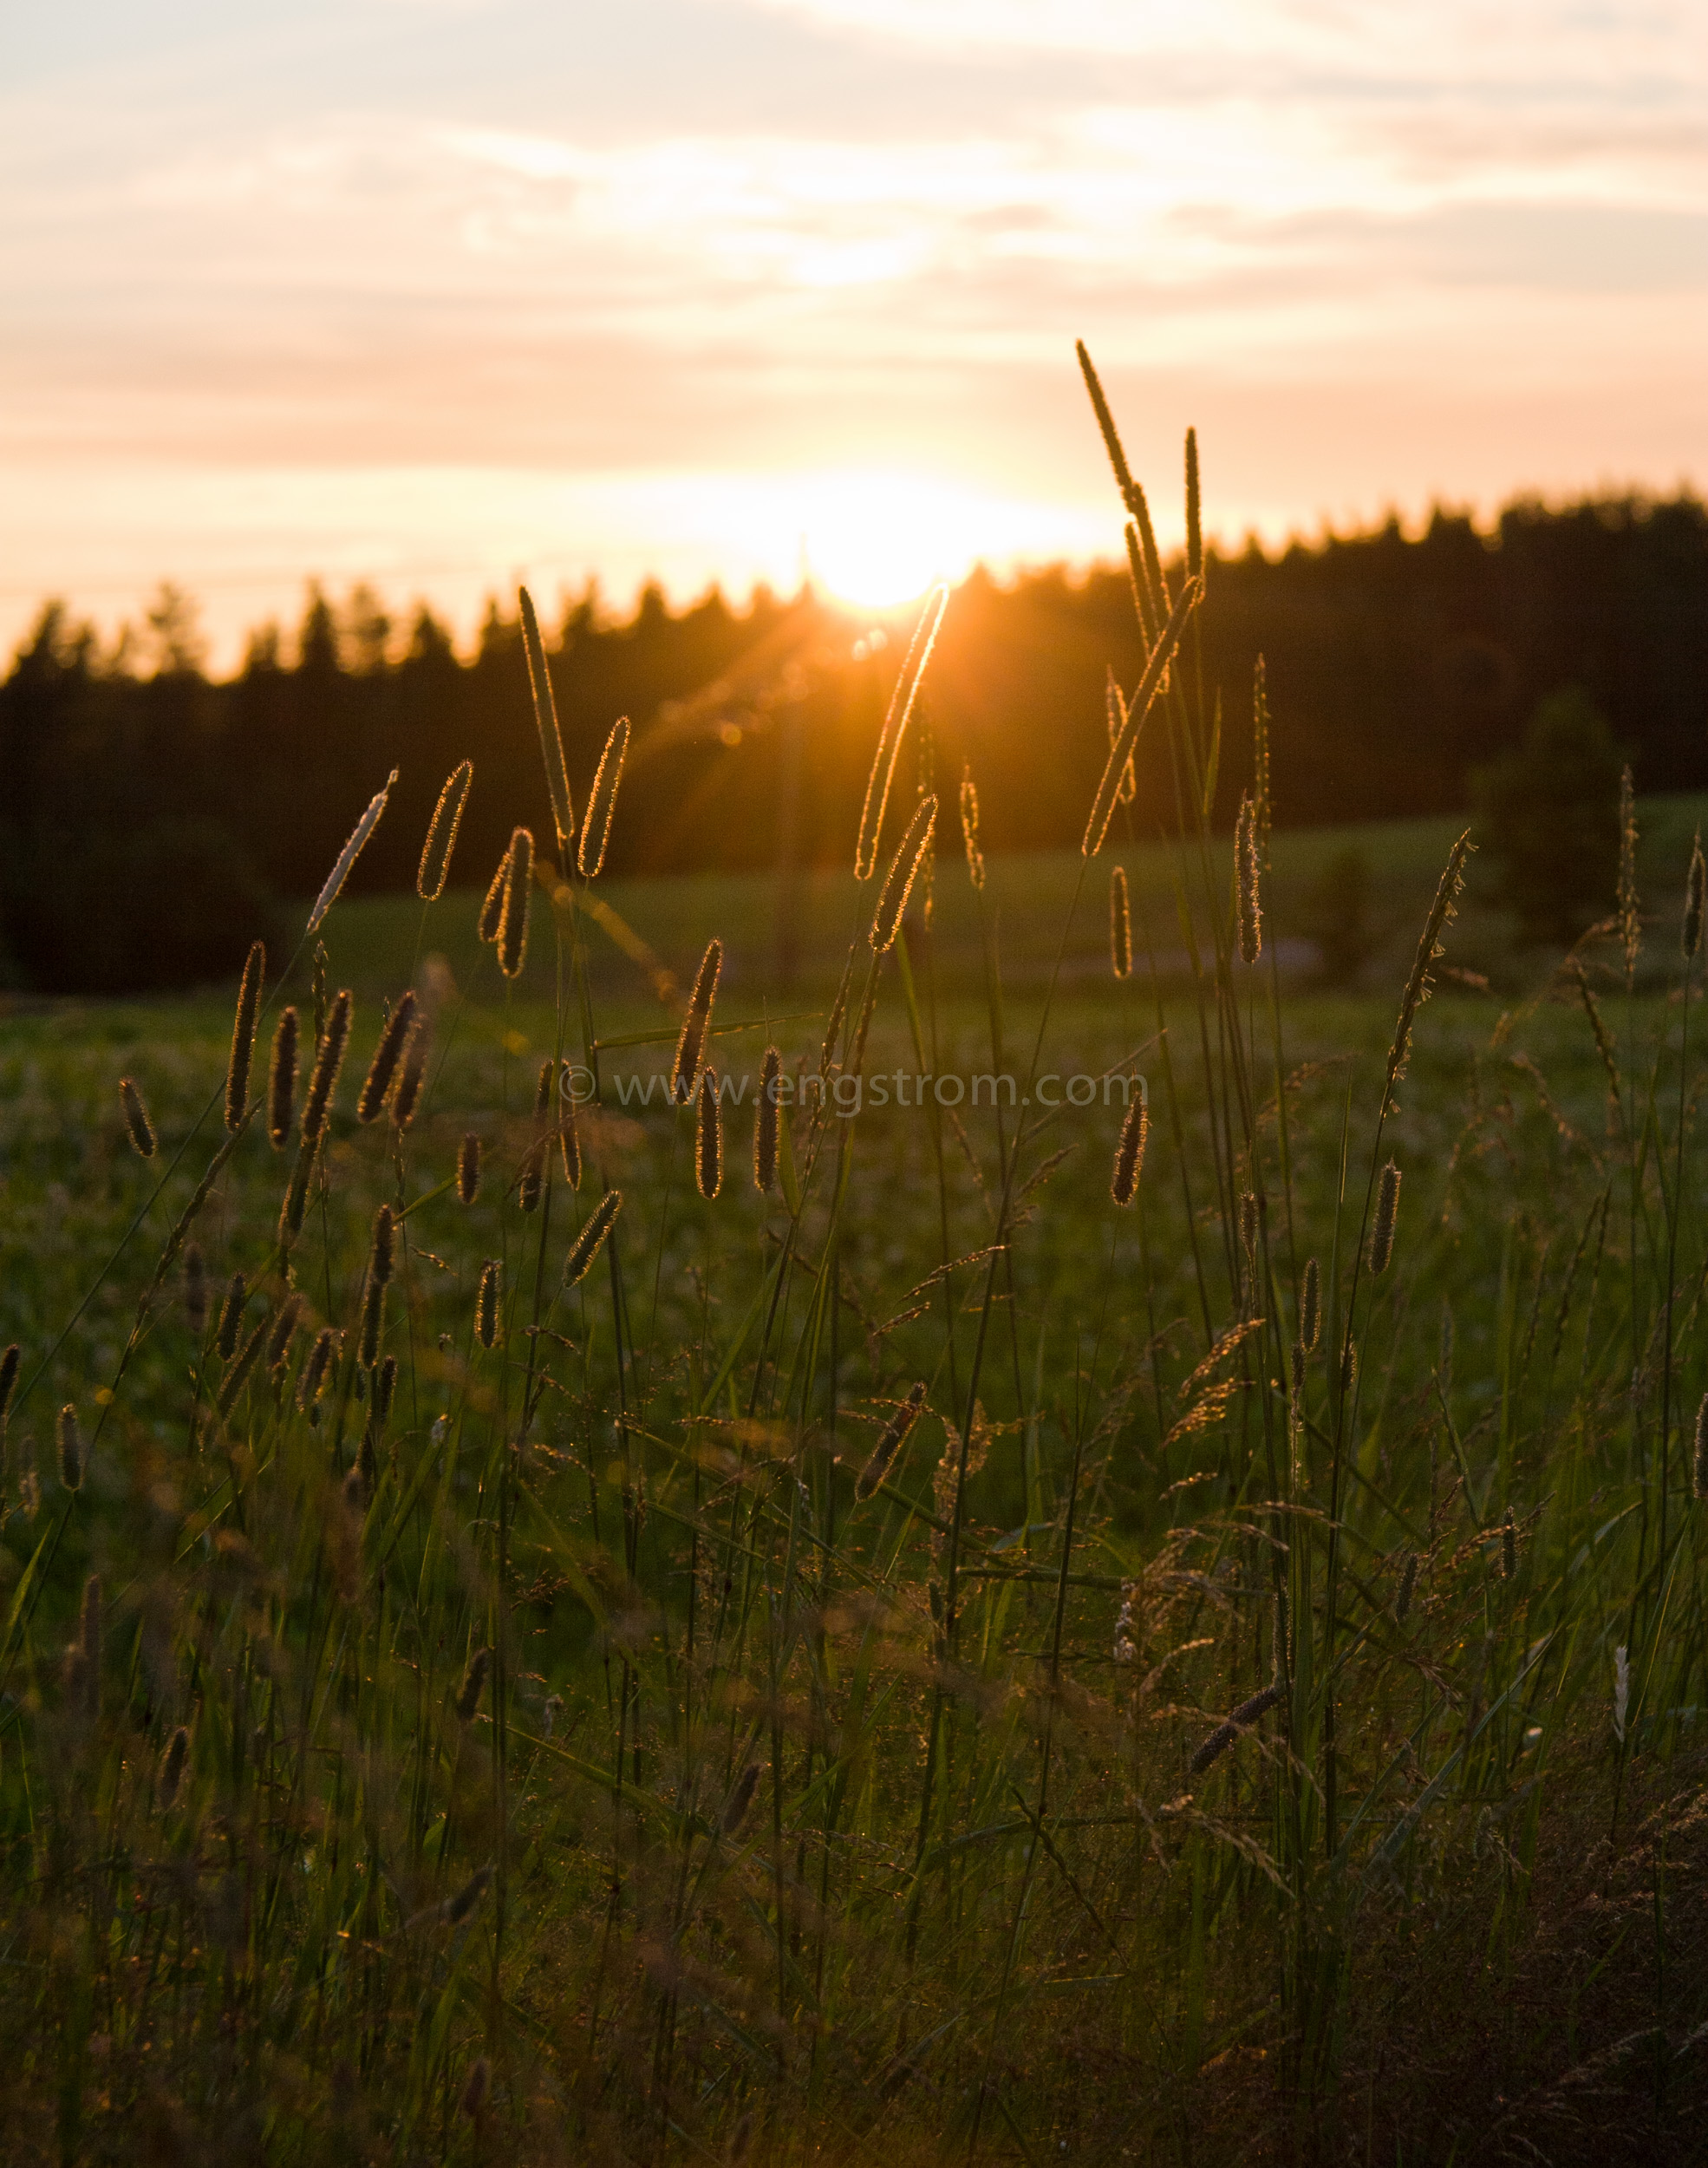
(437, 294)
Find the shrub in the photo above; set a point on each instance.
(1549, 810)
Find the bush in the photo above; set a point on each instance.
(1549, 810)
(1336, 916)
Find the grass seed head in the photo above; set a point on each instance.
(1250, 1219)
(708, 1138)
(492, 910)
(1138, 580)
(898, 882)
(372, 1328)
(1387, 1204)
(457, 1908)
(895, 729)
(970, 826)
(545, 719)
(385, 1389)
(740, 1799)
(1247, 882)
(518, 888)
(474, 2092)
(1239, 1722)
(383, 1068)
(1700, 1469)
(295, 1196)
(596, 828)
(137, 1124)
(346, 857)
(587, 1244)
(1592, 1009)
(1630, 916)
(1408, 1583)
(569, 1143)
(474, 1679)
(382, 1250)
(767, 1121)
(68, 1437)
(1418, 985)
(1310, 1305)
(171, 1767)
(410, 1074)
(1115, 714)
(1130, 1151)
(890, 1443)
(237, 1375)
(1156, 577)
(1696, 894)
(487, 1303)
(312, 1380)
(282, 1080)
(1106, 430)
(442, 836)
(284, 1330)
(1194, 526)
(1120, 923)
(329, 1060)
(230, 1318)
(1152, 683)
(243, 1036)
(697, 1025)
(468, 1168)
(530, 1178)
(827, 1051)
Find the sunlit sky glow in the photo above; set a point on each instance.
(436, 292)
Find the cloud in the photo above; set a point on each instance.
(1470, 230)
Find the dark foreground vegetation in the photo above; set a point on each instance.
(556, 1626)
(152, 819)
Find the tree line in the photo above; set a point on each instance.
(153, 817)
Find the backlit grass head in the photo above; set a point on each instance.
(708, 1138)
(697, 1025)
(892, 899)
(1120, 923)
(512, 940)
(138, 1127)
(243, 1036)
(442, 836)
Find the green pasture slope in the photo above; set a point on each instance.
(575, 1764)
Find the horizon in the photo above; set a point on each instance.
(226, 658)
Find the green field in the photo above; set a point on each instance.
(782, 1820)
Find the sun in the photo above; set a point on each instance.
(874, 540)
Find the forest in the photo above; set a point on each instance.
(154, 819)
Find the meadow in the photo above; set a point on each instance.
(960, 1631)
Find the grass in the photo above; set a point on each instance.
(604, 1751)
